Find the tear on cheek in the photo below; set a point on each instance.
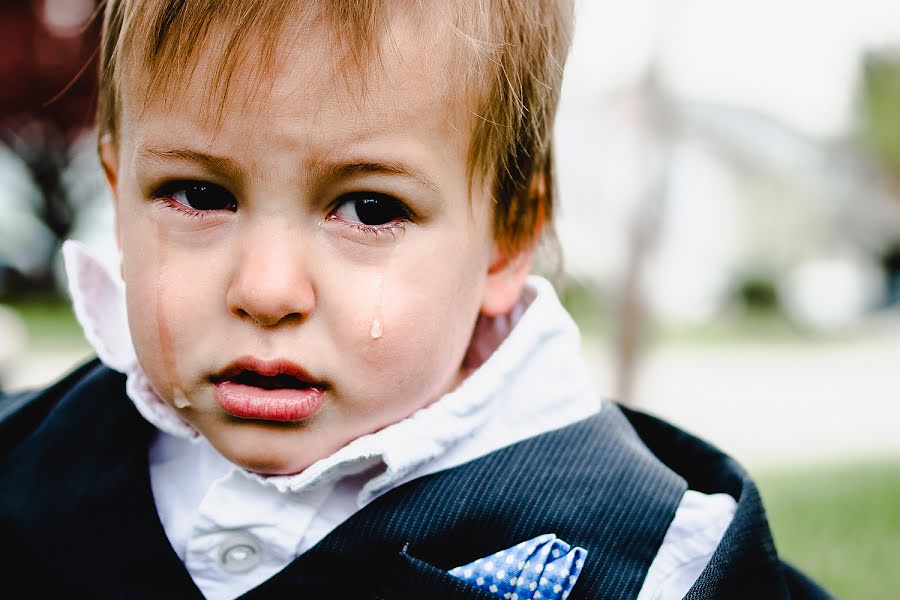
(179, 399)
(376, 329)
(166, 346)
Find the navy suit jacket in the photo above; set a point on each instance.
(77, 511)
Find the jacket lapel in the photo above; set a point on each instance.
(745, 565)
(82, 504)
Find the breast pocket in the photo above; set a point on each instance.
(415, 579)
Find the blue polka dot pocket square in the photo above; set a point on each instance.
(544, 568)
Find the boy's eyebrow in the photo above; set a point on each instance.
(340, 170)
(216, 164)
(320, 168)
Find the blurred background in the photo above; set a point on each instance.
(729, 176)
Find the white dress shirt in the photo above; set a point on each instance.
(234, 529)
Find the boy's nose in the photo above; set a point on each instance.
(270, 284)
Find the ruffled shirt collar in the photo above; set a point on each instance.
(555, 393)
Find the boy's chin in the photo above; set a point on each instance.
(272, 469)
(269, 465)
(269, 454)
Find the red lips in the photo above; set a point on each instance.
(278, 390)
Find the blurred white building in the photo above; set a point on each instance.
(750, 134)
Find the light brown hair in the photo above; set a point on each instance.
(511, 61)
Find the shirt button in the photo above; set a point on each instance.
(240, 553)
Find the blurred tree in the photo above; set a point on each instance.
(881, 128)
(47, 95)
(881, 109)
(758, 294)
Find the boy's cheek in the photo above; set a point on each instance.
(156, 347)
(164, 296)
(422, 346)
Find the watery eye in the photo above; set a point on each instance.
(370, 208)
(200, 195)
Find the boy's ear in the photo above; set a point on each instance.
(109, 158)
(505, 279)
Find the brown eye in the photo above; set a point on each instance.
(200, 195)
(370, 208)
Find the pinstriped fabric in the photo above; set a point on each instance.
(597, 484)
(593, 484)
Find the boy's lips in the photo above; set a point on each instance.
(278, 390)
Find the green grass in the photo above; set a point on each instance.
(50, 322)
(840, 525)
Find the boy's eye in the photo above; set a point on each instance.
(370, 208)
(200, 195)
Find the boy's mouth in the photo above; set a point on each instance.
(266, 382)
(250, 388)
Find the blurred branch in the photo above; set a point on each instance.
(881, 110)
(654, 128)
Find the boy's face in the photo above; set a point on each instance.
(311, 269)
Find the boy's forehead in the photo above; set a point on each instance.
(307, 69)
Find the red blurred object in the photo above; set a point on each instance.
(48, 63)
(48, 91)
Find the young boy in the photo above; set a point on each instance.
(328, 373)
